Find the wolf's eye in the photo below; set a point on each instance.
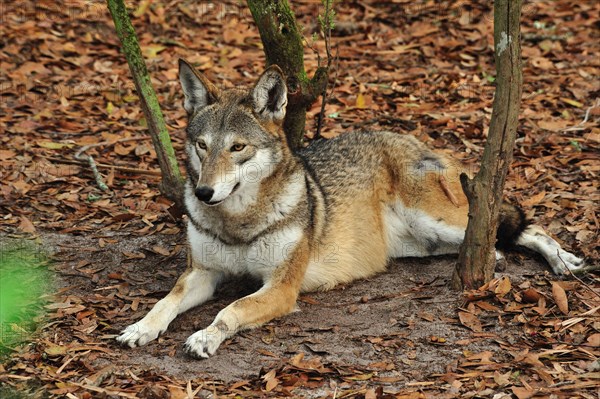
(201, 145)
(237, 147)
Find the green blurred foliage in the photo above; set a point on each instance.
(24, 281)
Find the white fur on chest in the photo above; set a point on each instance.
(258, 258)
(412, 232)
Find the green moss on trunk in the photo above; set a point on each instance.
(283, 46)
(172, 182)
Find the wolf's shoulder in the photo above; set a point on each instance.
(358, 149)
(352, 160)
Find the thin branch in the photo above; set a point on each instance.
(585, 118)
(124, 169)
(85, 157)
(327, 36)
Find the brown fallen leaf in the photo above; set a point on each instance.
(470, 321)
(56, 350)
(594, 340)
(177, 393)
(115, 276)
(26, 226)
(530, 295)
(160, 250)
(133, 255)
(560, 298)
(503, 287)
(522, 393)
(534, 199)
(370, 394)
(271, 380)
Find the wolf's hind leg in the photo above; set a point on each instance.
(536, 239)
(194, 287)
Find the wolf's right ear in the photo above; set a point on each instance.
(198, 91)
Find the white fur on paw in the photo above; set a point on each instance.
(204, 343)
(565, 260)
(138, 334)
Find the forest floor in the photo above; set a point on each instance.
(422, 68)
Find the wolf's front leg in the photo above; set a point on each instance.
(195, 286)
(276, 298)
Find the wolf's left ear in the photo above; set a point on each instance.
(197, 89)
(270, 94)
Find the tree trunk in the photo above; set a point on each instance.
(172, 182)
(476, 261)
(282, 43)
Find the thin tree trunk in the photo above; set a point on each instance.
(172, 182)
(476, 259)
(282, 43)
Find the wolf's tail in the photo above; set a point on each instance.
(511, 224)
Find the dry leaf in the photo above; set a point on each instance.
(470, 321)
(26, 225)
(370, 394)
(522, 393)
(360, 101)
(594, 340)
(560, 298)
(530, 295)
(503, 287)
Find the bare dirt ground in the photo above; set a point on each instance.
(400, 326)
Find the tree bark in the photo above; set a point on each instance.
(172, 182)
(476, 261)
(283, 46)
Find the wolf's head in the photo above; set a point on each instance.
(234, 137)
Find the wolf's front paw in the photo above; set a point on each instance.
(204, 343)
(138, 334)
(565, 260)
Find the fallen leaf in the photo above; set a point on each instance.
(560, 298)
(52, 145)
(360, 101)
(56, 350)
(470, 321)
(26, 226)
(503, 287)
(594, 340)
(522, 393)
(530, 295)
(572, 102)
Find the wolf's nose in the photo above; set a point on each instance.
(204, 193)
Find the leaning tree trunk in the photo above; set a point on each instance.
(282, 43)
(172, 182)
(476, 260)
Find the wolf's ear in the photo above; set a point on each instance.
(198, 91)
(270, 94)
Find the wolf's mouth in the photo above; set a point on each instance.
(214, 203)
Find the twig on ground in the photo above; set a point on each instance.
(85, 157)
(585, 118)
(80, 156)
(105, 166)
